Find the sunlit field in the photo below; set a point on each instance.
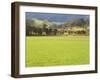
(57, 50)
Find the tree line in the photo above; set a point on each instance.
(38, 27)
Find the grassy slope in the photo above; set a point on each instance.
(53, 51)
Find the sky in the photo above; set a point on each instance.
(55, 17)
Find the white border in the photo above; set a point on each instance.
(36, 70)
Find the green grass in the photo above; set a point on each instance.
(56, 51)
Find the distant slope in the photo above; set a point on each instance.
(55, 17)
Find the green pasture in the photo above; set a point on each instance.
(56, 50)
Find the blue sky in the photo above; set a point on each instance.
(55, 17)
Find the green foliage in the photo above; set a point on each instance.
(77, 22)
(37, 27)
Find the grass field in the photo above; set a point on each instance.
(56, 51)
